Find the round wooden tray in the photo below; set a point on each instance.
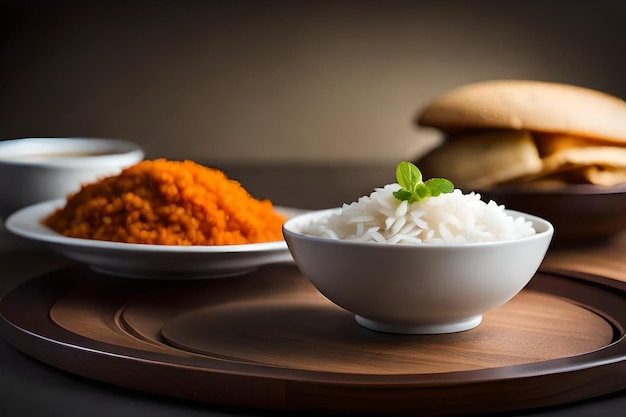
(269, 340)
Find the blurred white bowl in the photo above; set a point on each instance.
(421, 288)
(40, 169)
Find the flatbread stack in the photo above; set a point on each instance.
(508, 132)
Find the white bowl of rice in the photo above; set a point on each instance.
(428, 267)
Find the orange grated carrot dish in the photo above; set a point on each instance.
(165, 202)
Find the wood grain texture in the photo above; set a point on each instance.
(268, 340)
(112, 346)
(605, 258)
(308, 332)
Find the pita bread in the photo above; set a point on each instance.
(478, 160)
(604, 176)
(611, 156)
(532, 105)
(551, 143)
(564, 133)
(580, 159)
(484, 159)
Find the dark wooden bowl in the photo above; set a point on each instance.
(579, 213)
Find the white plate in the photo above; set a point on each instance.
(149, 261)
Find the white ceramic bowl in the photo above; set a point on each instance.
(417, 289)
(40, 169)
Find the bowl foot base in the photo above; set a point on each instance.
(451, 327)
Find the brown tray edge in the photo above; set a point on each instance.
(509, 388)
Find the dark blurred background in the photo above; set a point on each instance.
(267, 81)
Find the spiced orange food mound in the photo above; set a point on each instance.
(166, 202)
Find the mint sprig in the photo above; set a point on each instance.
(414, 189)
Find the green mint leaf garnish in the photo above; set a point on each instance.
(439, 186)
(402, 194)
(421, 191)
(408, 176)
(413, 189)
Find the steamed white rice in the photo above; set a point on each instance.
(453, 218)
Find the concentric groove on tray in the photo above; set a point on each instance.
(148, 362)
(318, 336)
(283, 321)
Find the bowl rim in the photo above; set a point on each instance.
(288, 231)
(569, 190)
(116, 150)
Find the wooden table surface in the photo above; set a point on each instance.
(28, 387)
(607, 259)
